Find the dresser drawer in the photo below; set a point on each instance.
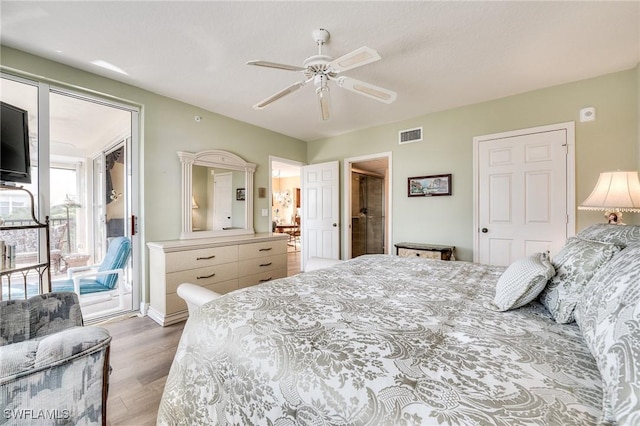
(258, 250)
(262, 277)
(211, 263)
(403, 252)
(267, 263)
(202, 276)
(190, 259)
(427, 251)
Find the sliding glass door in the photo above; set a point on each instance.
(82, 172)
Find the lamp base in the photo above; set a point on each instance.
(614, 217)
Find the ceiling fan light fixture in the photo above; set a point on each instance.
(320, 80)
(322, 68)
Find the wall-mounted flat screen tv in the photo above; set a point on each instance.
(15, 163)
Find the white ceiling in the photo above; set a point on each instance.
(435, 55)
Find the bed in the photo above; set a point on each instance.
(385, 340)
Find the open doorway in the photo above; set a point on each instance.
(368, 208)
(286, 202)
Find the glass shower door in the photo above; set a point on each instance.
(367, 215)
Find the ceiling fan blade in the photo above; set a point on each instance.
(280, 94)
(362, 56)
(367, 89)
(268, 64)
(324, 102)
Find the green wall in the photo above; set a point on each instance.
(608, 143)
(168, 126)
(637, 113)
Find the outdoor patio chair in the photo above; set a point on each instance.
(96, 279)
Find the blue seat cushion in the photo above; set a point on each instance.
(87, 286)
(116, 258)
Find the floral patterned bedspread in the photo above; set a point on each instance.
(380, 340)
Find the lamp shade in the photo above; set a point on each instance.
(616, 191)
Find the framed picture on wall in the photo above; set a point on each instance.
(240, 194)
(429, 186)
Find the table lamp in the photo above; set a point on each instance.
(614, 193)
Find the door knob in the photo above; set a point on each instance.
(485, 230)
(335, 224)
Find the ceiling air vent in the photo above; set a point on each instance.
(410, 135)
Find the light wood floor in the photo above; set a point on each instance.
(141, 356)
(293, 261)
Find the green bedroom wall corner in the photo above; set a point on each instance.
(609, 142)
(167, 126)
(637, 113)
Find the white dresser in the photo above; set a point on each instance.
(221, 264)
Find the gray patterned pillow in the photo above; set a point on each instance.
(617, 234)
(575, 264)
(522, 282)
(609, 317)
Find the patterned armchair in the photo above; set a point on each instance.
(52, 369)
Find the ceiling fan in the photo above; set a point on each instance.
(320, 69)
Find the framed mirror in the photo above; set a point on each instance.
(217, 194)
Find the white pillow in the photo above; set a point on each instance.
(522, 282)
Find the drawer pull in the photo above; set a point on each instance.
(206, 276)
(266, 279)
(206, 258)
(265, 249)
(266, 264)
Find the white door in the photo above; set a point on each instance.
(522, 195)
(222, 203)
(320, 211)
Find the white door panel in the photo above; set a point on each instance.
(320, 211)
(500, 250)
(522, 195)
(222, 207)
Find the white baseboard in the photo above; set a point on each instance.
(144, 307)
(165, 320)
